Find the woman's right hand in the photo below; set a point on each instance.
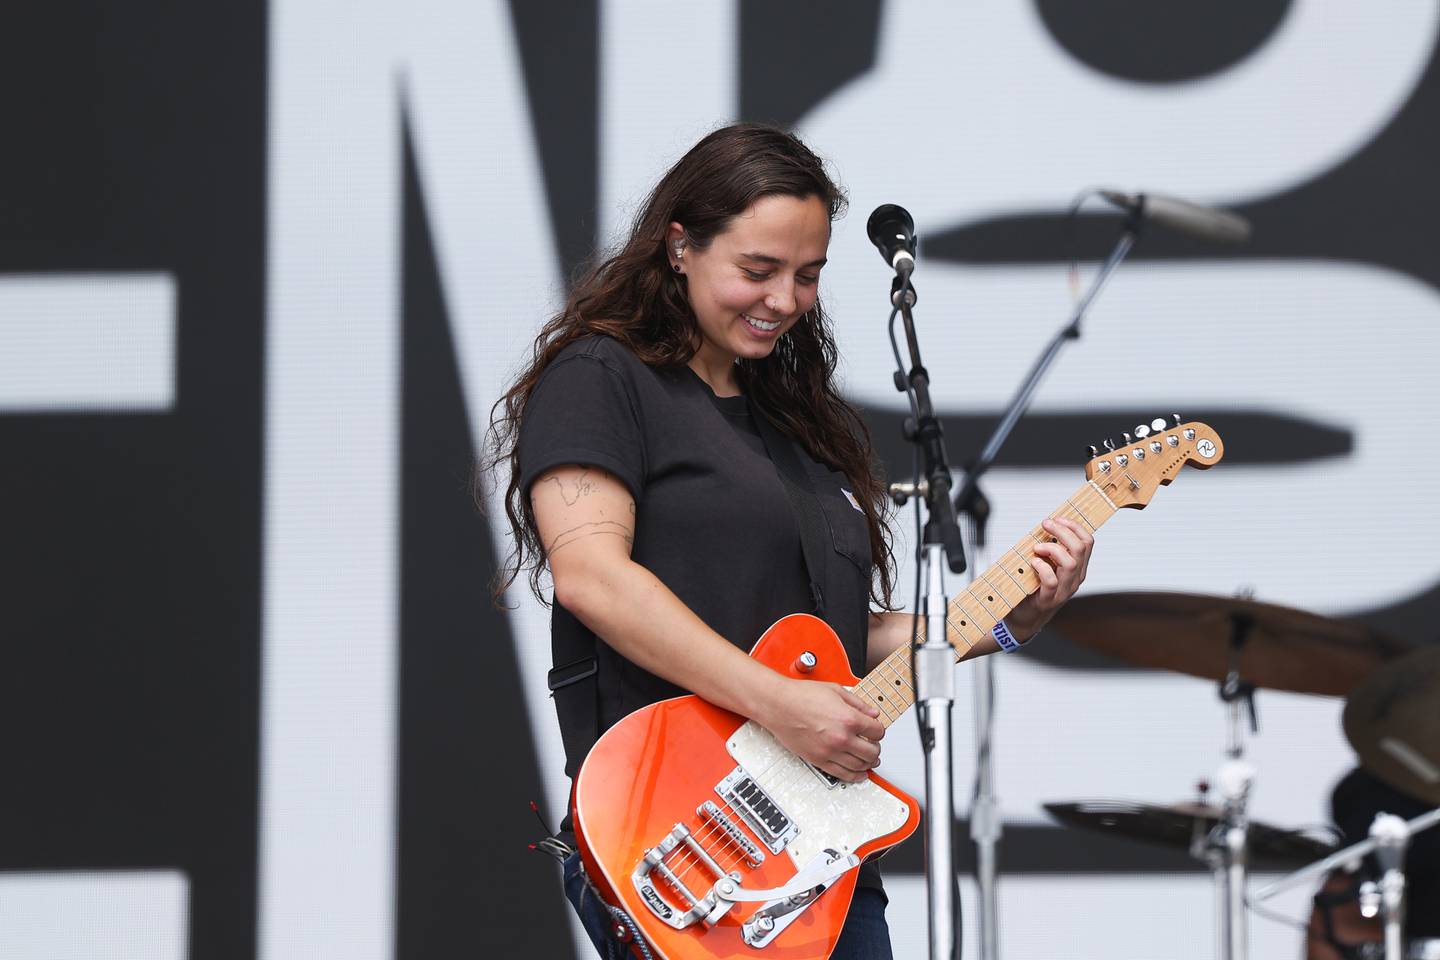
(825, 725)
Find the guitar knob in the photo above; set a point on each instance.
(1141, 432)
(1127, 438)
(805, 662)
(1094, 451)
(1109, 444)
(1157, 424)
(1177, 418)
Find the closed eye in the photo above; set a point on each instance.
(808, 280)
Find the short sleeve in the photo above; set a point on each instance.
(582, 412)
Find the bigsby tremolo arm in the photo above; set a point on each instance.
(803, 883)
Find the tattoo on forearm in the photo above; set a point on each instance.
(599, 527)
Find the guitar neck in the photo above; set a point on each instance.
(975, 610)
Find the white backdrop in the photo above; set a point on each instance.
(998, 120)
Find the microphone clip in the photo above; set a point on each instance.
(902, 285)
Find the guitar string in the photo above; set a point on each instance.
(801, 769)
(713, 829)
(688, 861)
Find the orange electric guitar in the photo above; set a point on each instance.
(719, 842)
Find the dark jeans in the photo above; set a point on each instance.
(864, 937)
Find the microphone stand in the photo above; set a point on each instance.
(934, 660)
(985, 820)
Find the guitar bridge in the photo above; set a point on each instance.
(709, 907)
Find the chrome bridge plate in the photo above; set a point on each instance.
(752, 853)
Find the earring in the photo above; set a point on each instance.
(675, 267)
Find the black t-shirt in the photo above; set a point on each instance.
(712, 522)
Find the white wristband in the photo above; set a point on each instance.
(1004, 637)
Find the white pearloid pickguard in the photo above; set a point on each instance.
(840, 817)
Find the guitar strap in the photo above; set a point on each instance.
(573, 682)
(800, 491)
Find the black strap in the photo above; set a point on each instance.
(575, 688)
(800, 492)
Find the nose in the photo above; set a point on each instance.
(781, 299)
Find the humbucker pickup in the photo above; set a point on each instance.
(770, 823)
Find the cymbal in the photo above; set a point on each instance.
(1393, 722)
(1284, 648)
(1181, 824)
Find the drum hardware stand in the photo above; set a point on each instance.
(985, 819)
(1391, 836)
(1389, 839)
(1226, 848)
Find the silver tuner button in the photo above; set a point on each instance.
(1109, 445)
(1127, 439)
(1141, 432)
(1122, 460)
(1155, 446)
(1157, 424)
(1139, 453)
(1094, 452)
(1104, 466)
(1177, 419)
(1189, 434)
(806, 662)
(1173, 440)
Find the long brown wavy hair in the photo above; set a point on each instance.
(634, 297)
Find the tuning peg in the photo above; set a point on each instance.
(1109, 444)
(1177, 418)
(1157, 424)
(1127, 438)
(1094, 452)
(1141, 431)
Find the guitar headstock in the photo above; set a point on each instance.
(1132, 471)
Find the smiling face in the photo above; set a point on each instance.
(753, 281)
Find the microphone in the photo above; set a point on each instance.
(1182, 216)
(893, 233)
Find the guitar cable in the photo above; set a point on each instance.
(637, 939)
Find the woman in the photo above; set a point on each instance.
(640, 473)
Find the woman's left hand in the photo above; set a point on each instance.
(1061, 569)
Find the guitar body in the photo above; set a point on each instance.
(770, 818)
